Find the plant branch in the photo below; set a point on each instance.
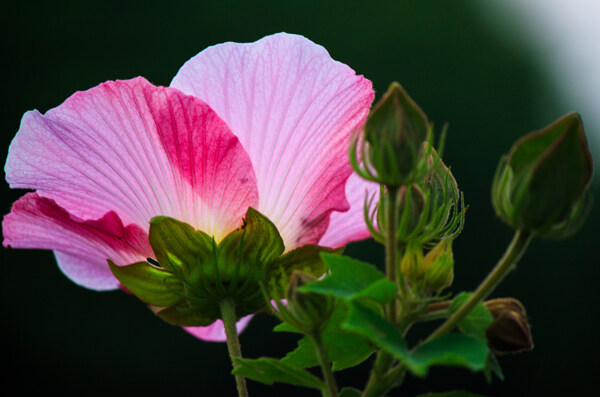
(509, 260)
(331, 387)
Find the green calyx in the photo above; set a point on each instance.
(193, 274)
(393, 151)
(541, 184)
(428, 210)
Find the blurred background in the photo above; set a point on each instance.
(492, 70)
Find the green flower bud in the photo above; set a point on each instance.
(392, 149)
(412, 264)
(510, 331)
(411, 202)
(439, 267)
(307, 311)
(539, 186)
(431, 273)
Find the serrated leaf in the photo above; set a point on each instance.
(352, 279)
(270, 370)
(451, 350)
(149, 283)
(344, 349)
(477, 321)
(456, 393)
(371, 325)
(382, 291)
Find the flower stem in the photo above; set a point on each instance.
(384, 360)
(233, 343)
(391, 248)
(331, 387)
(509, 260)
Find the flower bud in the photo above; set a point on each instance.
(431, 273)
(428, 211)
(439, 267)
(307, 311)
(394, 134)
(411, 264)
(410, 201)
(540, 185)
(510, 332)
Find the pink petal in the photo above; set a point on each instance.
(349, 226)
(216, 332)
(81, 246)
(293, 109)
(137, 150)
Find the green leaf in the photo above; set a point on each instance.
(450, 350)
(349, 392)
(492, 366)
(345, 349)
(178, 246)
(352, 279)
(457, 393)
(285, 327)
(382, 291)
(477, 321)
(377, 329)
(270, 370)
(149, 283)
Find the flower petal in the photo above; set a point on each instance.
(216, 331)
(137, 150)
(349, 226)
(293, 109)
(81, 246)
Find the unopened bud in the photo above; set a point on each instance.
(439, 267)
(540, 184)
(510, 331)
(411, 264)
(394, 134)
(411, 202)
(309, 312)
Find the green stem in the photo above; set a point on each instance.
(391, 378)
(233, 343)
(509, 260)
(391, 247)
(384, 360)
(331, 387)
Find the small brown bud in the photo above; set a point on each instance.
(510, 331)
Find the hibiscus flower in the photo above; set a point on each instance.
(265, 125)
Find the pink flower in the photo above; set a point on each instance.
(265, 124)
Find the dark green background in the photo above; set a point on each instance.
(58, 337)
